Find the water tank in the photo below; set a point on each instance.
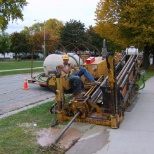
(53, 60)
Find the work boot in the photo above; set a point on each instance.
(95, 83)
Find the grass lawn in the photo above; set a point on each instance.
(9, 65)
(17, 131)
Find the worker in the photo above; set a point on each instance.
(75, 77)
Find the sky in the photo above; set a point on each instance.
(62, 10)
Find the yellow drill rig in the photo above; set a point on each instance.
(106, 103)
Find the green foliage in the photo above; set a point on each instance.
(126, 22)
(5, 43)
(73, 33)
(106, 23)
(94, 39)
(137, 22)
(49, 30)
(20, 43)
(10, 10)
(36, 28)
(53, 26)
(37, 41)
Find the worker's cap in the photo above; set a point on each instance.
(65, 57)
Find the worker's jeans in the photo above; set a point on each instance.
(75, 79)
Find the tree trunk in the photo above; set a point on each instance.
(153, 58)
(146, 57)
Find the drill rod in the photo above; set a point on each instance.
(63, 131)
(123, 72)
(127, 64)
(119, 64)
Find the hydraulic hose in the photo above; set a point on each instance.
(143, 80)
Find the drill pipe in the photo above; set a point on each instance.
(123, 72)
(99, 95)
(67, 126)
(102, 84)
(127, 76)
(129, 90)
(128, 73)
(85, 100)
(89, 92)
(118, 65)
(95, 96)
(125, 66)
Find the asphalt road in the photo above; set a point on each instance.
(13, 98)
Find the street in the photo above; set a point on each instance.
(13, 98)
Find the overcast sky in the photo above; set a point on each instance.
(63, 10)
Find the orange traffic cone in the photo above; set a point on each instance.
(25, 86)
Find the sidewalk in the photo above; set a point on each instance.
(135, 135)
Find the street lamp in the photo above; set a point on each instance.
(44, 55)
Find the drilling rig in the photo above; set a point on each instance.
(106, 103)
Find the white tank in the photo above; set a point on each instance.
(131, 51)
(53, 60)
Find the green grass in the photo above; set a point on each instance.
(9, 65)
(17, 138)
(149, 73)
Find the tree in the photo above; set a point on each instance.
(107, 17)
(52, 31)
(137, 22)
(35, 28)
(73, 33)
(20, 44)
(52, 34)
(10, 10)
(5, 43)
(129, 22)
(54, 26)
(94, 40)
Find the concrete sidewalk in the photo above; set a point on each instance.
(135, 135)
